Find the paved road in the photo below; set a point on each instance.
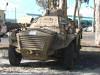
(89, 63)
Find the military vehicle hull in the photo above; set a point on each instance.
(46, 40)
(39, 44)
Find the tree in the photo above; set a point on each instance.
(76, 6)
(97, 25)
(77, 9)
(42, 3)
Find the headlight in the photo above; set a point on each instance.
(33, 32)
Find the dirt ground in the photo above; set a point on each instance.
(89, 63)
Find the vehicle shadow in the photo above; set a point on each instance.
(89, 63)
(43, 64)
(90, 60)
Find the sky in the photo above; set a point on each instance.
(85, 10)
(21, 7)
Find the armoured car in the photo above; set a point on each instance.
(51, 36)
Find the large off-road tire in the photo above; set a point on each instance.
(79, 47)
(68, 62)
(14, 57)
(76, 50)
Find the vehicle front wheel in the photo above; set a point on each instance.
(68, 62)
(14, 57)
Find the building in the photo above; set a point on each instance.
(3, 27)
(2, 16)
(25, 19)
(11, 20)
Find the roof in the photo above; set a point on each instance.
(2, 10)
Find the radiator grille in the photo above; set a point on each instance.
(32, 42)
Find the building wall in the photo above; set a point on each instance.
(24, 19)
(10, 20)
(2, 16)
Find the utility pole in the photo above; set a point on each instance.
(94, 16)
(97, 25)
(15, 15)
